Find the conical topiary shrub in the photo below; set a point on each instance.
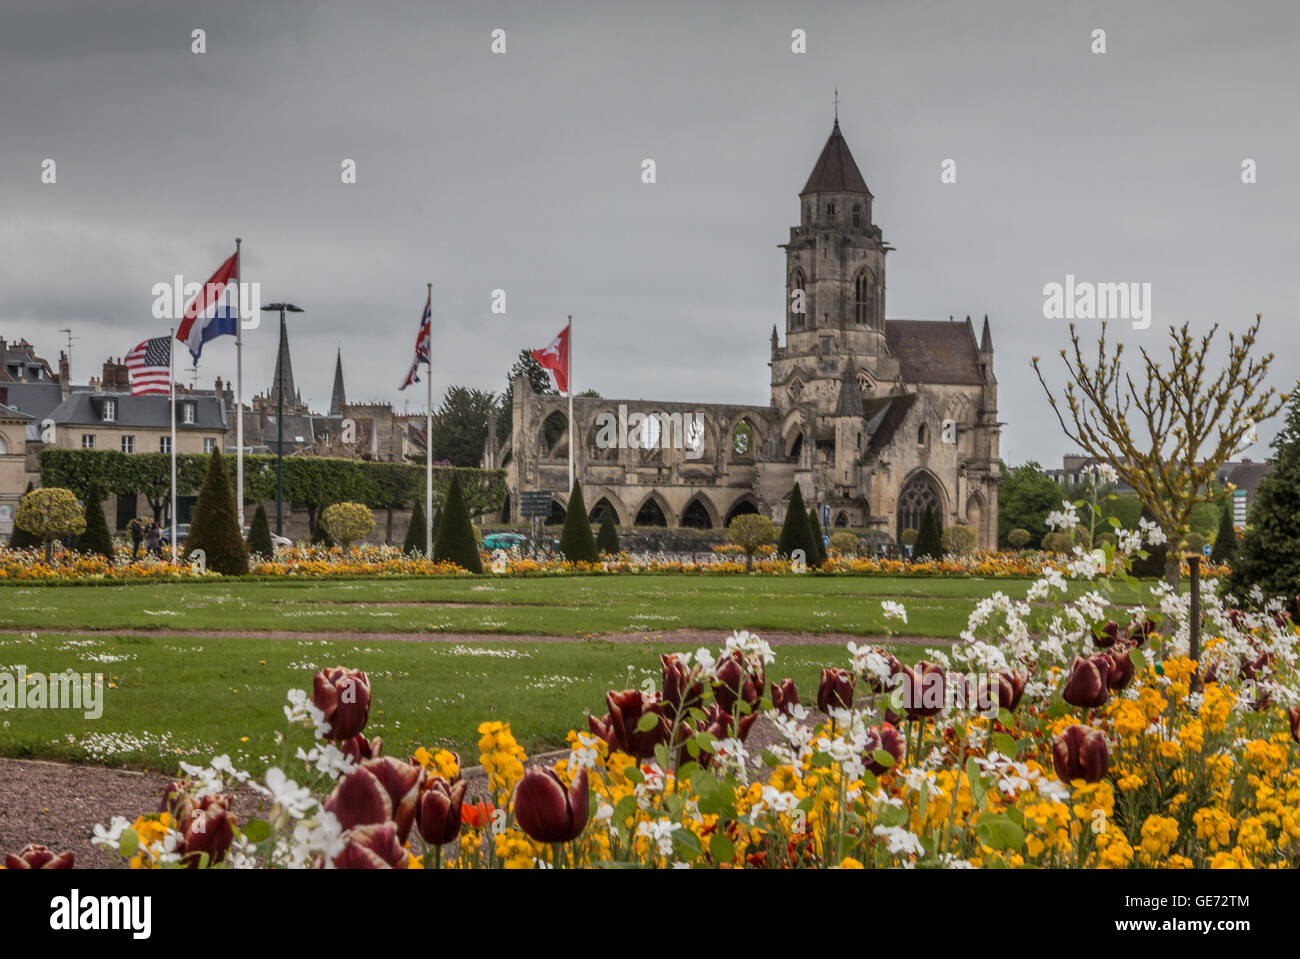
(319, 534)
(577, 545)
(21, 538)
(1225, 542)
(929, 539)
(96, 540)
(815, 527)
(607, 538)
(214, 527)
(455, 542)
(414, 541)
(259, 535)
(795, 533)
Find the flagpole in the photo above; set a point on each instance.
(239, 387)
(569, 377)
(428, 440)
(171, 380)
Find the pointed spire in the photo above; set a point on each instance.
(986, 338)
(285, 362)
(850, 401)
(338, 399)
(836, 171)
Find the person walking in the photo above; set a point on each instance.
(153, 539)
(137, 537)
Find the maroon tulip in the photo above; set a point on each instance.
(1080, 752)
(625, 711)
(358, 747)
(1140, 630)
(1282, 618)
(360, 799)
(343, 695)
(208, 828)
(1086, 686)
(895, 667)
(836, 690)
(1120, 672)
(1293, 715)
(923, 690)
(36, 856)
(438, 812)
(1108, 635)
(735, 683)
(887, 737)
(1011, 686)
(1250, 667)
(1237, 618)
(402, 782)
(604, 728)
(683, 687)
(785, 697)
(372, 847)
(546, 811)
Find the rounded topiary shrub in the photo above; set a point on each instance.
(348, 522)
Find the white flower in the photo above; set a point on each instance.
(1154, 534)
(110, 837)
(893, 610)
(296, 800)
(584, 754)
(661, 832)
(1065, 518)
(900, 841)
(302, 709)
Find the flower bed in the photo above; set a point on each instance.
(1047, 738)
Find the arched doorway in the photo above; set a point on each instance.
(696, 515)
(918, 493)
(651, 514)
(598, 511)
(505, 509)
(557, 514)
(742, 507)
(555, 429)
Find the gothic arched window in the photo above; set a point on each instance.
(864, 297)
(798, 295)
(917, 494)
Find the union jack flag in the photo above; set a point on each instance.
(421, 343)
(149, 366)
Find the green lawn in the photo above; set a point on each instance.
(180, 698)
(562, 606)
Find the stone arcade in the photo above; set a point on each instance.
(857, 411)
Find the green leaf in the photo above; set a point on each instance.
(1005, 744)
(884, 758)
(686, 844)
(721, 848)
(1005, 717)
(128, 843)
(648, 722)
(1139, 661)
(977, 789)
(693, 748)
(661, 756)
(998, 831)
(256, 830)
(633, 774)
(770, 759)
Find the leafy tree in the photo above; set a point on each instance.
(540, 382)
(929, 539)
(607, 538)
(1195, 543)
(214, 527)
(577, 545)
(1268, 555)
(21, 538)
(1167, 430)
(749, 531)
(815, 526)
(348, 522)
(1225, 543)
(958, 540)
(795, 531)
(846, 544)
(456, 542)
(908, 537)
(460, 426)
(1025, 498)
(259, 535)
(415, 533)
(50, 513)
(1018, 538)
(96, 540)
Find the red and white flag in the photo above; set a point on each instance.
(149, 366)
(554, 358)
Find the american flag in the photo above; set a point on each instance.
(421, 344)
(149, 365)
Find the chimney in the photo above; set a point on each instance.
(4, 396)
(65, 372)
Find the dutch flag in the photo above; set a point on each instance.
(213, 312)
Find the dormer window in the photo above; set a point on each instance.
(110, 411)
(830, 209)
(187, 413)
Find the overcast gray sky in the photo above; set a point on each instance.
(522, 171)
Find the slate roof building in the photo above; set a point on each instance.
(875, 418)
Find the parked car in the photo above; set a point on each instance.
(182, 533)
(277, 540)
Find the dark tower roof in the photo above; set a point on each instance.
(282, 358)
(850, 401)
(338, 399)
(836, 172)
(986, 339)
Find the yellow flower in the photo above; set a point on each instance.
(848, 862)
(1213, 825)
(1159, 833)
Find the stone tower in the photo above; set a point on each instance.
(835, 290)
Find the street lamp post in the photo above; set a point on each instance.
(279, 415)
